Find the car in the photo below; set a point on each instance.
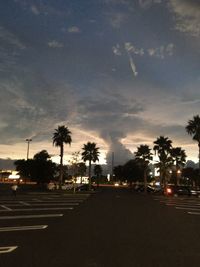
(140, 188)
(177, 190)
(84, 187)
(195, 191)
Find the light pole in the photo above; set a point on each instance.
(28, 141)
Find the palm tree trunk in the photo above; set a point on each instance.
(90, 175)
(145, 181)
(61, 166)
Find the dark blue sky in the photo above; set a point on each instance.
(118, 72)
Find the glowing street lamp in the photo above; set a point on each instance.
(28, 142)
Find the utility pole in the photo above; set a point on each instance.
(28, 142)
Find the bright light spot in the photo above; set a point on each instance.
(169, 191)
(14, 176)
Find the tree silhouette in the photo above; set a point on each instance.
(90, 153)
(143, 155)
(162, 147)
(61, 136)
(193, 129)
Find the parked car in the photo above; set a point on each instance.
(177, 190)
(195, 191)
(84, 187)
(140, 188)
(67, 186)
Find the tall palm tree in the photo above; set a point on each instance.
(162, 147)
(81, 170)
(90, 153)
(143, 155)
(193, 129)
(98, 172)
(179, 159)
(61, 136)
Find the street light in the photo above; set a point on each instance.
(28, 141)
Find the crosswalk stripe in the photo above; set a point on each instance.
(34, 209)
(7, 249)
(30, 216)
(6, 208)
(186, 208)
(23, 228)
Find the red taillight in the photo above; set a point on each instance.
(168, 190)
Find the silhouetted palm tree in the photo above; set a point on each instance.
(61, 136)
(179, 159)
(162, 147)
(90, 153)
(98, 172)
(193, 129)
(143, 155)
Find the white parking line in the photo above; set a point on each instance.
(6, 207)
(34, 209)
(23, 228)
(60, 201)
(7, 249)
(44, 204)
(186, 208)
(30, 216)
(56, 204)
(183, 205)
(24, 203)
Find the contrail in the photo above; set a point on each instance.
(132, 64)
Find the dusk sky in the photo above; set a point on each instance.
(119, 73)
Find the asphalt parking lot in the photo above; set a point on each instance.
(33, 212)
(114, 227)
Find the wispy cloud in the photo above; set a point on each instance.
(9, 38)
(159, 52)
(73, 29)
(116, 50)
(162, 51)
(132, 49)
(187, 15)
(39, 7)
(148, 3)
(10, 50)
(35, 10)
(117, 19)
(55, 44)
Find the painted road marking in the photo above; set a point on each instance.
(56, 204)
(186, 208)
(30, 216)
(34, 209)
(23, 228)
(45, 204)
(183, 205)
(29, 203)
(7, 249)
(62, 200)
(24, 203)
(6, 207)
